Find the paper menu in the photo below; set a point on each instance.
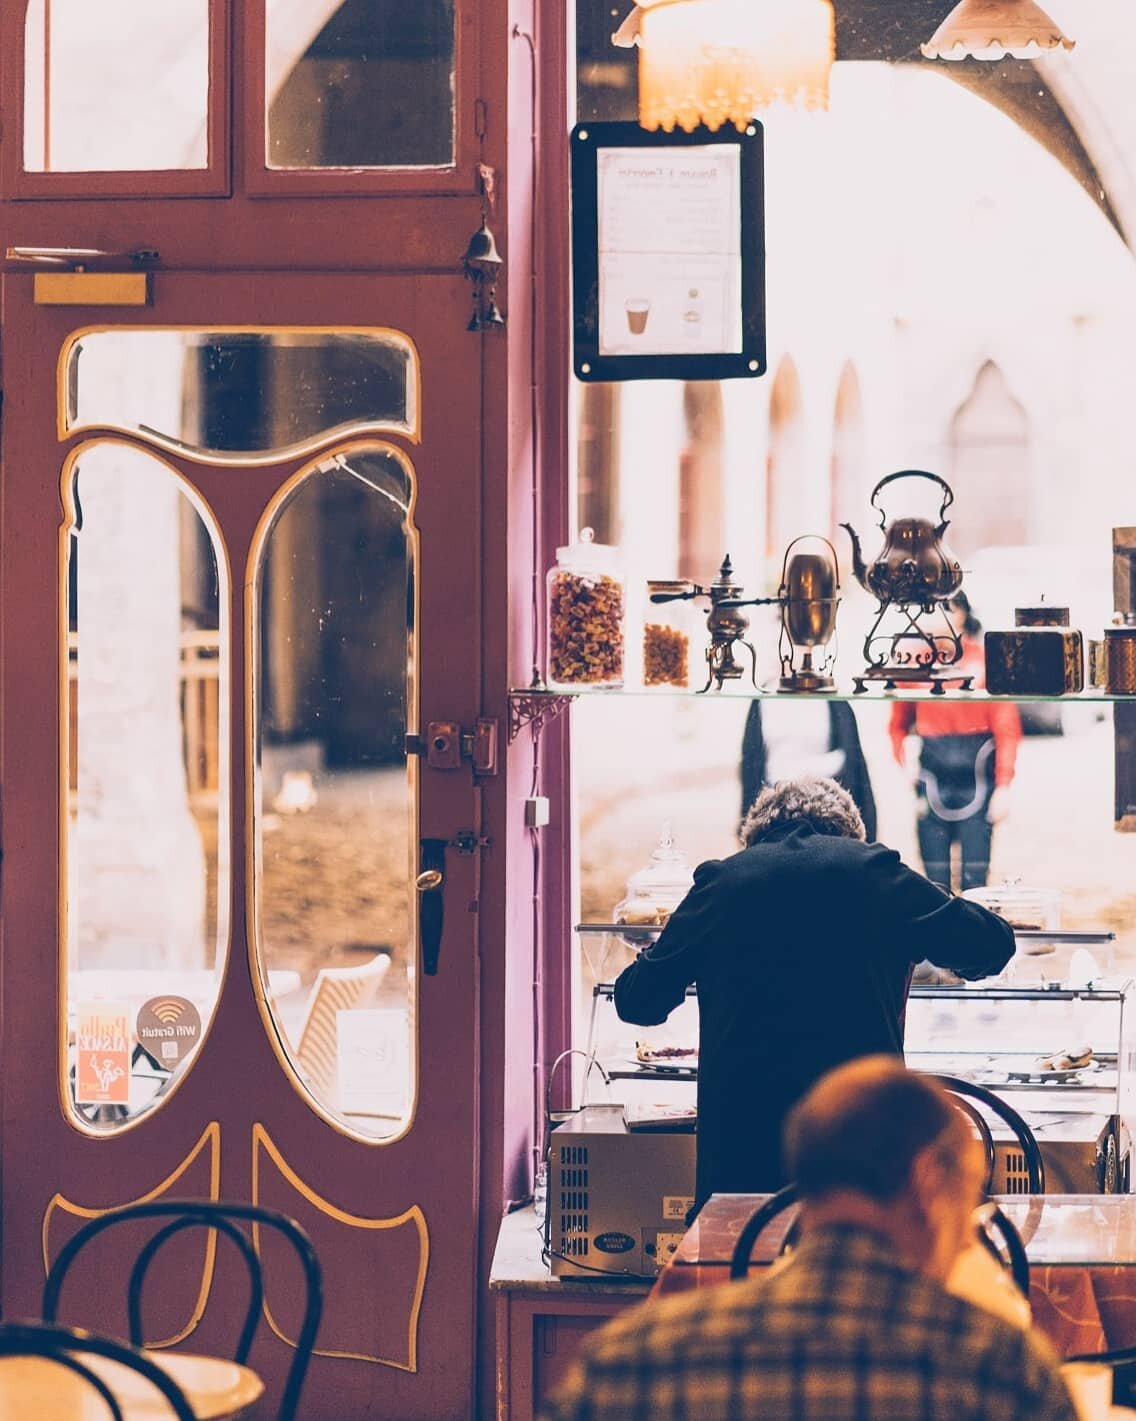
(669, 250)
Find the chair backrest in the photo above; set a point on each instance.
(196, 1213)
(335, 989)
(994, 1221)
(73, 1348)
(1035, 1165)
(755, 1224)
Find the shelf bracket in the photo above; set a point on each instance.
(536, 708)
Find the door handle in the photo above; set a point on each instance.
(429, 883)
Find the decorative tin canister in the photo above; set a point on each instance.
(1042, 656)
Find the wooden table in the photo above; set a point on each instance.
(1081, 1249)
(37, 1389)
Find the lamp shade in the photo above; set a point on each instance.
(717, 61)
(995, 29)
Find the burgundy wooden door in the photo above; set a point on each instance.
(240, 563)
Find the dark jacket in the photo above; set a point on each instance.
(802, 947)
(842, 735)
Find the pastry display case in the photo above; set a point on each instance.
(1061, 1055)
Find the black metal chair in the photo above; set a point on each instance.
(755, 1224)
(67, 1346)
(195, 1213)
(1035, 1165)
(1015, 1255)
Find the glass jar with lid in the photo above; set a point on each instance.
(668, 635)
(1027, 910)
(654, 892)
(586, 602)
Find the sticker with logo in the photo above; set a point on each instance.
(614, 1242)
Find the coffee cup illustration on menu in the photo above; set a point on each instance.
(638, 308)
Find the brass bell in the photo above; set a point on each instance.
(481, 255)
(493, 316)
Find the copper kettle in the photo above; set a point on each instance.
(914, 565)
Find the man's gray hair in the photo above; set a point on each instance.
(823, 803)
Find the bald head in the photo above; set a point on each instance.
(862, 1127)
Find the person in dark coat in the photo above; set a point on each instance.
(802, 947)
(841, 748)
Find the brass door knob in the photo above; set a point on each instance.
(428, 880)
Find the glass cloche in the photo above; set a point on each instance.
(653, 892)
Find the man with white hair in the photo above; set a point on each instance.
(802, 947)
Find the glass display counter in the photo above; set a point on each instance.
(1061, 1056)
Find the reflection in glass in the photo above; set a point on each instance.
(361, 84)
(147, 786)
(334, 617)
(250, 395)
(115, 87)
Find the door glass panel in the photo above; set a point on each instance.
(146, 793)
(115, 85)
(336, 800)
(360, 83)
(249, 396)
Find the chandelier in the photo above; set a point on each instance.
(721, 61)
(995, 29)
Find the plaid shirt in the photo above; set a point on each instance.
(846, 1333)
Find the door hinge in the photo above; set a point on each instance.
(446, 745)
(480, 117)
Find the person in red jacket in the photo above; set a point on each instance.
(967, 753)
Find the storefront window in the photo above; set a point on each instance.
(336, 793)
(250, 396)
(951, 288)
(115, 87)
(360, 84)
(145, 832)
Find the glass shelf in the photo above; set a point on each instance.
(1071, 937)
(1094, 696)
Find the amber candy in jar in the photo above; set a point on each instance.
(667, 628)
(586, 599)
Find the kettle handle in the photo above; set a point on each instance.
(948, 495)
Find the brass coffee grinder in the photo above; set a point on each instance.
(725, 621)
(809, 596)
(915, 575)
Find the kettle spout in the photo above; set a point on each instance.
(859, 570)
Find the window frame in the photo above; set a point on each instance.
(214, 180)
(459, 177)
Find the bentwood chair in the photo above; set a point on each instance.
(764, 1214)
(196, 1213)
(76, 1352)
(992, 1219)
(966, 1091)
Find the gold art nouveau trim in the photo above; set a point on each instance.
(411, 430)
(253, 878)
(211, 1139)
(224, 739)
(262, 1141)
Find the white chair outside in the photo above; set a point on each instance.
(335, 989)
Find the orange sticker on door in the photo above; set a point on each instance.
(102, 1054)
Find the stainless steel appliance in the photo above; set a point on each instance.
(617, 1197)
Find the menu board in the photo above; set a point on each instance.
(668, 253)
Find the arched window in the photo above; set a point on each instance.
(847, 491)
(785, 459)
(700, 516)
(990, 464)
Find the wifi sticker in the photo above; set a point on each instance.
(168, 1029)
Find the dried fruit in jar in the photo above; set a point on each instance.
(666, 656)
(585, 639)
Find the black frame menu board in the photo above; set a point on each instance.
(668, 253)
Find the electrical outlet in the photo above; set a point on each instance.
(536, 811)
